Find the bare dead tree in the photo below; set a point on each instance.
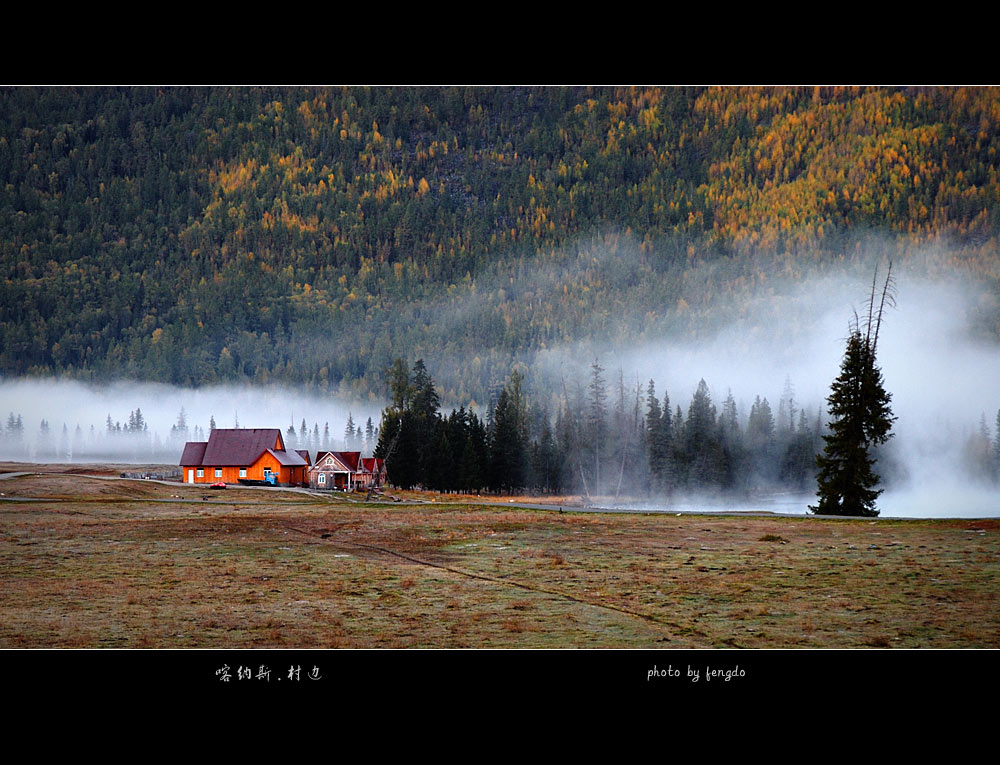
(888, 296)
(388, 453)
(628, 434)
(871, 308)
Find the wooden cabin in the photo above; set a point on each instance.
(249, 453)
(345, 471)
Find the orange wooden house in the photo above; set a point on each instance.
(249, 453)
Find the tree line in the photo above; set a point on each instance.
(603, 440)
(134, 441)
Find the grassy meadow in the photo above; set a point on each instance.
(92, 562)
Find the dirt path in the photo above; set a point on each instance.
(492, 579)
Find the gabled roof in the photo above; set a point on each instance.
(241, 446)
(304, 454)
(351, 460)
(288, 459)
(194, 452)
(372, 464)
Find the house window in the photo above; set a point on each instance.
(218, 472)
(243, 472)
(201, 472)
(322, 478)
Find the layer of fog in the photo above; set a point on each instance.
(790, 337)
(69, 403)
(948, 499)
(942, 381)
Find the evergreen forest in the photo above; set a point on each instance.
(622, 443)
(312, 236)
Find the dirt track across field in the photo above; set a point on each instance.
(97, 563)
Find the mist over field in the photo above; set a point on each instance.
(73, 403)
(788, 340)
(943, 380)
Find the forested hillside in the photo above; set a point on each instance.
(311, 236)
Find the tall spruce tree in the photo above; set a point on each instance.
(703, 447)
(409, 427)
(597, 420)
(861, 419)
(655, 447)
(508, 456)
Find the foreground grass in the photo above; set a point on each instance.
(257, 569)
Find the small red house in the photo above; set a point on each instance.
(250, 453)
(346, 470)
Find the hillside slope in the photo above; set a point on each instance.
(194, 235)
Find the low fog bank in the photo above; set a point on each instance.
(927, 500)
(798, 333)
(785, 344)
(945, 383)
(73, 404)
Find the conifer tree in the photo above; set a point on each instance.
(761, 444)
(349, 432)
(77, 447)
(704, 451)
(861, 419)
(508, 454)
(655, 448)
(64, 450)
(597, 419)
(732, 442)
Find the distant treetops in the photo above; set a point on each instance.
(608, 442)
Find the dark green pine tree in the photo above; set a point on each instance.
(655, 448)
(704, 450)
(861, 418)
(507, 446)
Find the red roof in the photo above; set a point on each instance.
(194, 453)
(351, 460)
(240, 447)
